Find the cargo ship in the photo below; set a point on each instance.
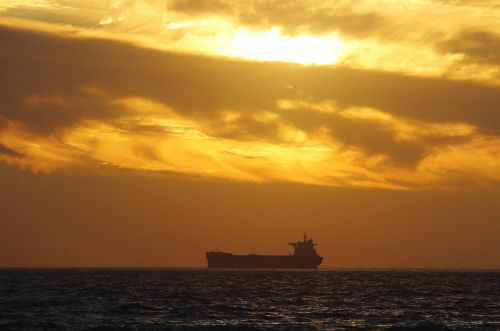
(304, 257)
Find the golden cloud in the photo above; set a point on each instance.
(83, 103)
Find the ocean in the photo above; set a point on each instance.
(193, 299)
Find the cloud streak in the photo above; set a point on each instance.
(292, 16)
(392, 36)
(481, 47)
(79, 102)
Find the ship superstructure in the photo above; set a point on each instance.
(303, 257)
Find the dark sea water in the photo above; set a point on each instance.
(192, 299)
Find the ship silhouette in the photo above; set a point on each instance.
(303, 257)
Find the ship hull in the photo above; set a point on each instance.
(253, 261)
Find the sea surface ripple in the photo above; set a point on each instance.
(192, 299)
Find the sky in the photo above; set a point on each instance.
(146, 132)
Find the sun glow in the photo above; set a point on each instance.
(271, 45)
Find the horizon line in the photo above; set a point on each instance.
(264, 269)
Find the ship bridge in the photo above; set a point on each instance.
(304, 248)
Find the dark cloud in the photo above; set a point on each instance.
(426, 99)
(65, 15)
(9, 152)
(291, 15)
(245, 128)
(199, 6)
(50, 83)
(476, 46)
(45, 79)
(46, 113)
(372, 136)
(295, 18)
(475, 3)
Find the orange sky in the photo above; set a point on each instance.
(142, 133)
